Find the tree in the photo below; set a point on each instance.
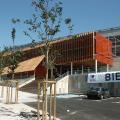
(15, 55)
(12, 58)
(44, 25)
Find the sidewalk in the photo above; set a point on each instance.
(13, 111)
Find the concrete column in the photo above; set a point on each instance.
(93, 45)
(107, 67)
(71, 68)
(27, 74)
(82, 69)
(96, 66)
(88, 70)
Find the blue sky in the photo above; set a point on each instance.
(86, 15)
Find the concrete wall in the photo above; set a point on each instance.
(72, 84)
(77, 84)
(62, 85)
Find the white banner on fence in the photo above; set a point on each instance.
(103, 77)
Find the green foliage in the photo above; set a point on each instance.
(69, 24)
(14, 21)
(67, 21)
(33, 43)
(13, 33)
(1, 62)
(45, 22)
(7, 49)
(13, 60)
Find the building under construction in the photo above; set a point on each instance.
(75, 57)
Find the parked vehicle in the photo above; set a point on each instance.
(98, 92)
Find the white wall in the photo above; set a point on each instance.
(62, 85)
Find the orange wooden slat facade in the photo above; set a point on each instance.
(80, 49)
(103, 49)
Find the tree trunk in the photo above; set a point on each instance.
(52, 73)
(47, 61)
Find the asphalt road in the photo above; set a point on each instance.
(84, 109)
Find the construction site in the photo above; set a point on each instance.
(76, 57)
